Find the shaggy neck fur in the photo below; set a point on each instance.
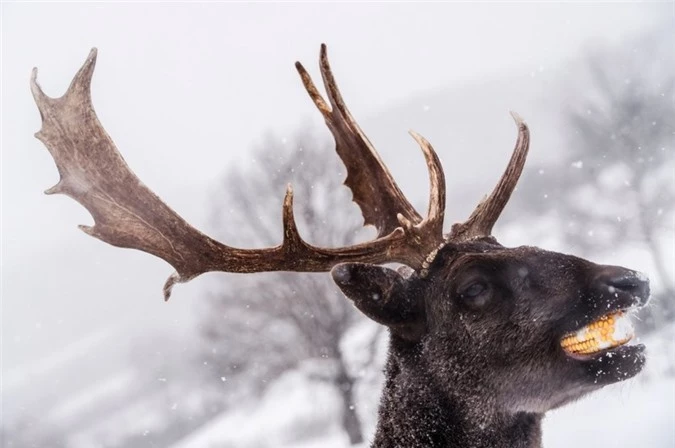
(415, 412)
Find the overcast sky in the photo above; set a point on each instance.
(185, 89)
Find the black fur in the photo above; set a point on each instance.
(475, 357)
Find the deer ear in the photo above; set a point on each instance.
(383, 295)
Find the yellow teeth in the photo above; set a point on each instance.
(611, 330)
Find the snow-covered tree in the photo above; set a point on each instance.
(260, 326)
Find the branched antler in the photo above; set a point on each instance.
(372, 185)
(128, 214)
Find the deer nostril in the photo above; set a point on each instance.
(629, 282)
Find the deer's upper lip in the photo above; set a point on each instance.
(611, 301)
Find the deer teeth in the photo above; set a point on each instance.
(609, 331)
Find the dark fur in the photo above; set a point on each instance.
(482, 371)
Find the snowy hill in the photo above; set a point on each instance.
(635, 414)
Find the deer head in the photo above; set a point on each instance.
(522, 329)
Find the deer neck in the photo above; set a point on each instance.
(417, 413)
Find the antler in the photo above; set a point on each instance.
(128, 214)
(487, 212)
(381, 201)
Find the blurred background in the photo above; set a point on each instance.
(206, 107)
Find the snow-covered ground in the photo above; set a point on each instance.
(293, 410)
(299, 413)
(632, 415)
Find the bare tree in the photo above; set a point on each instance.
(621, 149)
(259, 327)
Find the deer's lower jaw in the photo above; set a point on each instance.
(608, 332)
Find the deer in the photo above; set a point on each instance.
(484, 339)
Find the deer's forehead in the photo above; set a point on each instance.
(523, 258)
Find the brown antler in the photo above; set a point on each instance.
(128, 214)
(374, 189)
(487, 212)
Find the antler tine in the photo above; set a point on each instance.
(370, 181)
(293, 243)
(433, 223)
(334, 95)
(487, 212)
(293, 247)
(313, 92)
(80, 85)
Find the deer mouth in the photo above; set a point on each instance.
(608, 332)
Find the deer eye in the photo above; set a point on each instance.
(473, 290)
(474, 295)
